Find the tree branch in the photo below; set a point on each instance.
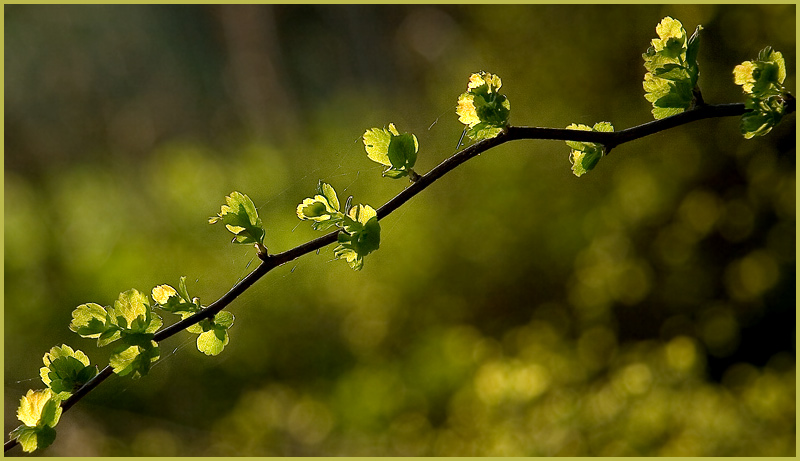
(511, 133)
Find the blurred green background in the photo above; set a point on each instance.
(513, 309)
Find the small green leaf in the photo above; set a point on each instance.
(65, 370)
(39, 408)
(175, 301)
(212, 342)
(392, 149)
(345, 251)
(692, 48)
(671, 37)
(39, 412)
(403, 151)
(109, 336)
(34, 438)
(214, 333)
(395, 174)
(165, 295)
(329, 193)
(323, 208)
(27, 437)
(224, 319)
(134, 356)
(484, 131)
(584, 156)
(241, 218)
(134, 307)
(315, 209)
(376, 142)
(89, 320)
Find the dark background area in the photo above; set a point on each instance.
(646, 308)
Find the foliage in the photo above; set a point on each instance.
(213, 333)
(482, 108)
(585, 155)
(65, 370)
(672, 71)
(360, 232)
(392, 149)
(132, 321)
(131, 324)
(241, 218)
(39, 412)
(762, 80)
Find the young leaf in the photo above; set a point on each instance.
(670, 83)
(241, 218)
(175, 301)
(65, 370)
(28, 438)
(167, 298)
(134, 355)
(392, 149)
(135, 314)
(762, 116)
(762, 80)
(213, 333)
(39, 407)
(323, 208)
(39, 412)
(212, 342)
(361, 236)
(33, 438)
(360, 233)
(482, 108)
(376, 143)
(90, 320)
(585, 155)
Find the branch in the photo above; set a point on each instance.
(615, 138)
(511, 133)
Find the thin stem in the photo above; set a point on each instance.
(511, 133)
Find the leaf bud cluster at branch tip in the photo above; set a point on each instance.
(762, 80)
(483, 109)
(670, 83)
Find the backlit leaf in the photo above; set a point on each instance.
(65, 370)
(482, 108)
(241, 218)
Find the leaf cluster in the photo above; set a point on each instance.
(672, 71)
(65, 371)
(212, 333)
(360, 229)
(482, 108)
(241, 219)
(762, 80)
(39, 412)
(131, 321)
(391, 148)
(585, 155)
